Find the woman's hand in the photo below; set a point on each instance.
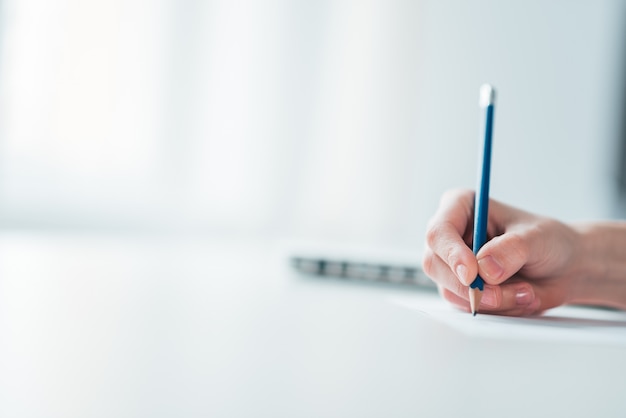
(529, 263)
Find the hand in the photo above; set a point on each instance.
(529, 263)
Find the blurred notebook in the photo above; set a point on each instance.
(393, 266)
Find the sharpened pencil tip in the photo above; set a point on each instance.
(475, 295)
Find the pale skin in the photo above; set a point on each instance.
(530, 263)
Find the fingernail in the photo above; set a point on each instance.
(489, 298)
(524, 296)
(461, 273)
(490, 267)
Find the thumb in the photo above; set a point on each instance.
(503, 256)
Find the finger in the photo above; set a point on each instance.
(515, 298)
(440, 272)
(463, 305)
(457, 208)
(445, 234)
(503, 256)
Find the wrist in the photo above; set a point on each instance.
(599, 264)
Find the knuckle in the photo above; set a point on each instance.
(434, 233)
(452, 256)
(518, 246)
(438, 239)
(457, 194)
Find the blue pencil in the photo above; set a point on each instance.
(481, 206)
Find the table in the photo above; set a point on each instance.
(123, 325)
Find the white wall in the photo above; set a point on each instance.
(332, 120)
(558, 69)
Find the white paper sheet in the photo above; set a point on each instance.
(563, 324)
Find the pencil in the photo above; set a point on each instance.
(481, 205)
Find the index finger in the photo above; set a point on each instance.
(445, 234)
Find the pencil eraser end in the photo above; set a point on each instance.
(487, 95)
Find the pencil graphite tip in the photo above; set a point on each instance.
(487, 95)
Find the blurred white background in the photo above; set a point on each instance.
(169, 123)
(329, 120)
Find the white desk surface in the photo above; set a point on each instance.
(168, 327)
